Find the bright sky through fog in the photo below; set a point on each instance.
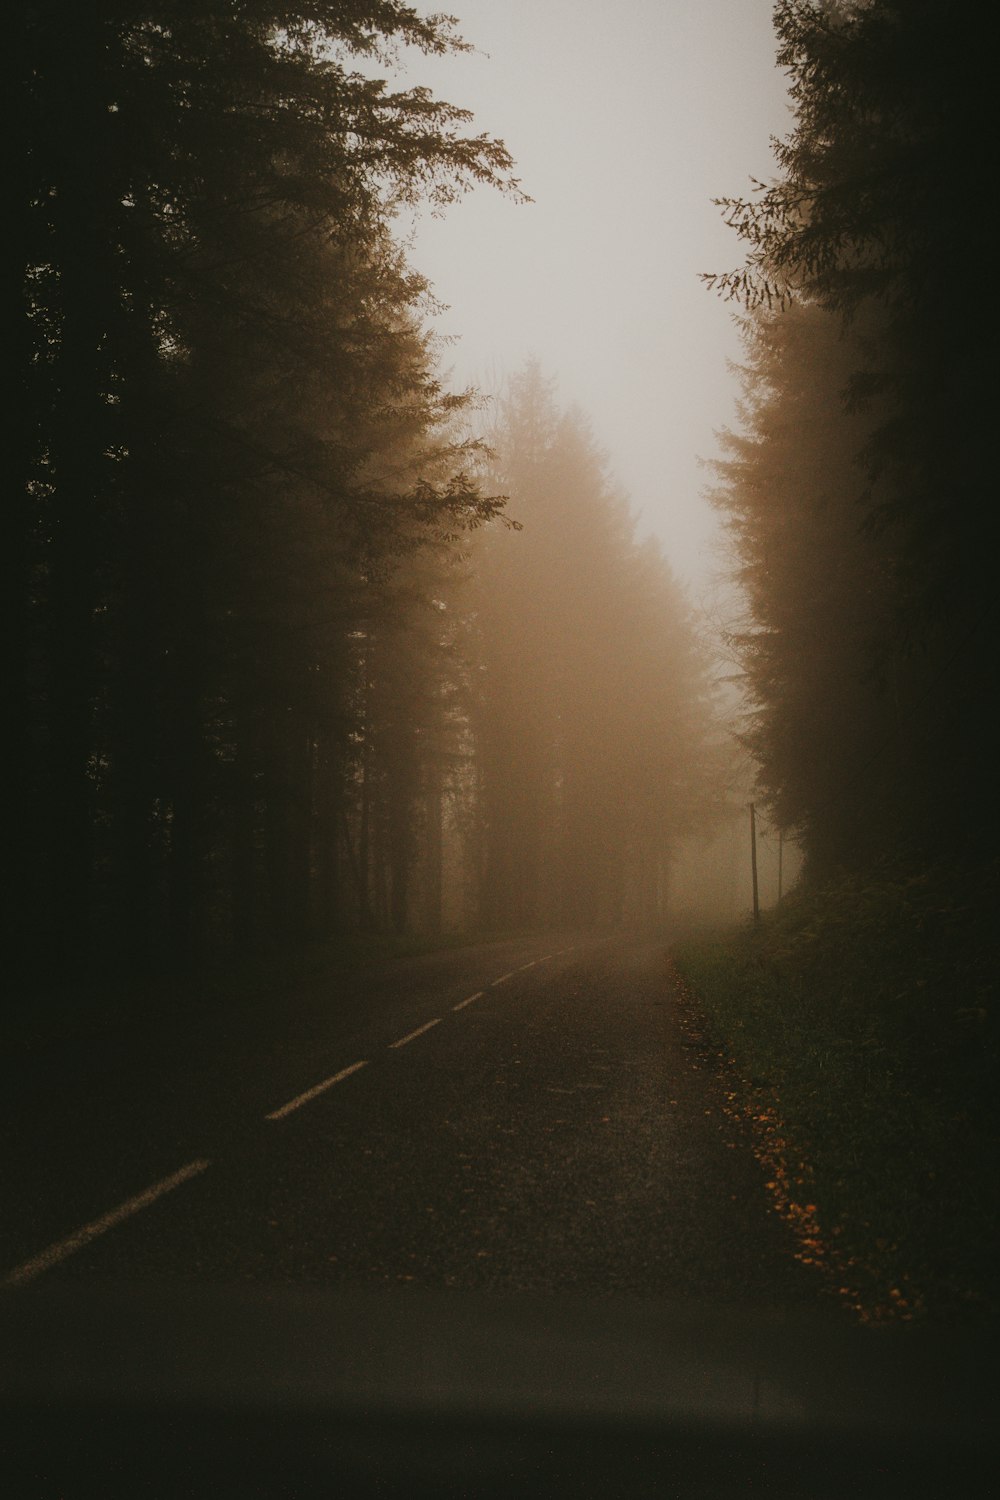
(625, 120)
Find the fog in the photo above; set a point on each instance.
(427, 606)
(252, 572)
(624, 123)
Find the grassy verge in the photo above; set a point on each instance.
(859, 1025)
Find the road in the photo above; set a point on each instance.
(474, 1223)
(520, 1116)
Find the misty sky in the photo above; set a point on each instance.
(625, 121)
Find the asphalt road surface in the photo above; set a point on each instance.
(521, 1116)
(472, 1224)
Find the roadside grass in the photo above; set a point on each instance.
(859, 1024)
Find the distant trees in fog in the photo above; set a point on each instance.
(591, 704)
(859, 486)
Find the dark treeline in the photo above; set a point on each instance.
(230, 431)
(859, 493)
(859, 487)
(261, 684)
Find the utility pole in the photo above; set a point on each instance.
(753, 861)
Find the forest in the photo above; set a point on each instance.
(297, 642)
(856, 487)
(302, 646)
(857, 491)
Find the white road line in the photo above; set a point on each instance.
(521, 970)
(468, 1000)
(502, 978)
(69, 1246)
(412, 1036)
(319, 1088)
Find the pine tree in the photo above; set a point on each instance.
(216, 336)
(590, 718)
(872, 219)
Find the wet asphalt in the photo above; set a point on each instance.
(556, 1134)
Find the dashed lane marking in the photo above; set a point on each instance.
(319, 1088)
(62, 1249)
(468, 1000)
(412, 1035)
